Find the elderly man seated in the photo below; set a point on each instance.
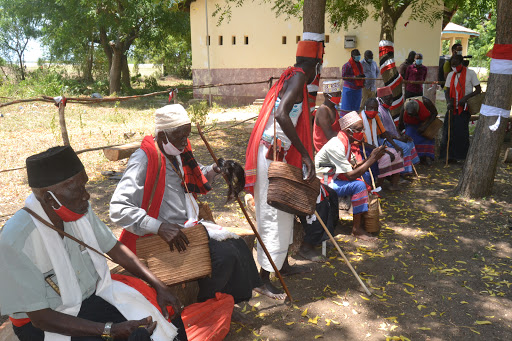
(165, 168)
(349, 174)
(55, 281)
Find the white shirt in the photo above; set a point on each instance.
(471, 80)
(333, 152)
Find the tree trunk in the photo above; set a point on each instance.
(106, 46)
(479, 170)
(387, 33)
(90, 62)
(448, 13)
(115, 69)
(22, 70)
(125, 72)
(313, 16)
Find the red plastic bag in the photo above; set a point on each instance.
(209, 320)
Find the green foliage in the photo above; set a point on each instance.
(150, 83)
(345, 13)
(174, 50)
(198, 112)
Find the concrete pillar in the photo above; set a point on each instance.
(465, 43)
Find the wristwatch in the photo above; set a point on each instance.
(107, 336)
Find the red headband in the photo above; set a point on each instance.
(310, 49)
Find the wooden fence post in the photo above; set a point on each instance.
(62, 122)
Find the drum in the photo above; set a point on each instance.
(177, 267)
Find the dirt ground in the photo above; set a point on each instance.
(441, 269)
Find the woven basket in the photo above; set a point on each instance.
(475, 103)
(177, 267)
(288, 192)
(372, 221)
(432, 129)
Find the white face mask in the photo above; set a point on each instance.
(318, 70)
(459, 53)
(169, 149)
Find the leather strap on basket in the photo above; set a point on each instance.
(65, 234)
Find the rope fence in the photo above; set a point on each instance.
(61, 102)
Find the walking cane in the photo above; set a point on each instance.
(448, 140)
(342, 254)
(415, 172)
(289, 296)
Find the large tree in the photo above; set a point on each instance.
(479, 170)
(116, 25)
(19, 23)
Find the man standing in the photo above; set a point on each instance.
(371, 70)
(402, 69)
(352, 89)
(286, 112)
(156, 195)
(458, 89)
(57, 288)
(456, 51)
(415, 72)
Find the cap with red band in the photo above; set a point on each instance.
(310, 49)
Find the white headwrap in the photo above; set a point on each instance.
(349, 119)
(170, 116)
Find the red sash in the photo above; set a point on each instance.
(459, 91)
(357, 68)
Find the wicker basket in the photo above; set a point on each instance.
(288, 192)
(372, 221)
(177, 267)
(432, 129)
(475, 103)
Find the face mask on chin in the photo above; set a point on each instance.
(457, 68)
(65, 213)
(169, 149)
(371, 113)
(335, 100)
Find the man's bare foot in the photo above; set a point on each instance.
(311, 254)
(288, 270)
(268, 289)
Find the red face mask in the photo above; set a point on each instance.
(358, 136)
(65, 213)
(371, 113)
(335, 100)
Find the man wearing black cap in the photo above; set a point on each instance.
(55, 281)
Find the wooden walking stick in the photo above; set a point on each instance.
(289, 296)
(342, 254)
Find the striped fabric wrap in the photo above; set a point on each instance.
(387, 65)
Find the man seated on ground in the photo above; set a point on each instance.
(419, 113)
(392, 164)
(55, 288)
(326, 124)
(410, 156)
(348, 181)
(173, 206)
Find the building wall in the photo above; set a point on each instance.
(259, 52)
